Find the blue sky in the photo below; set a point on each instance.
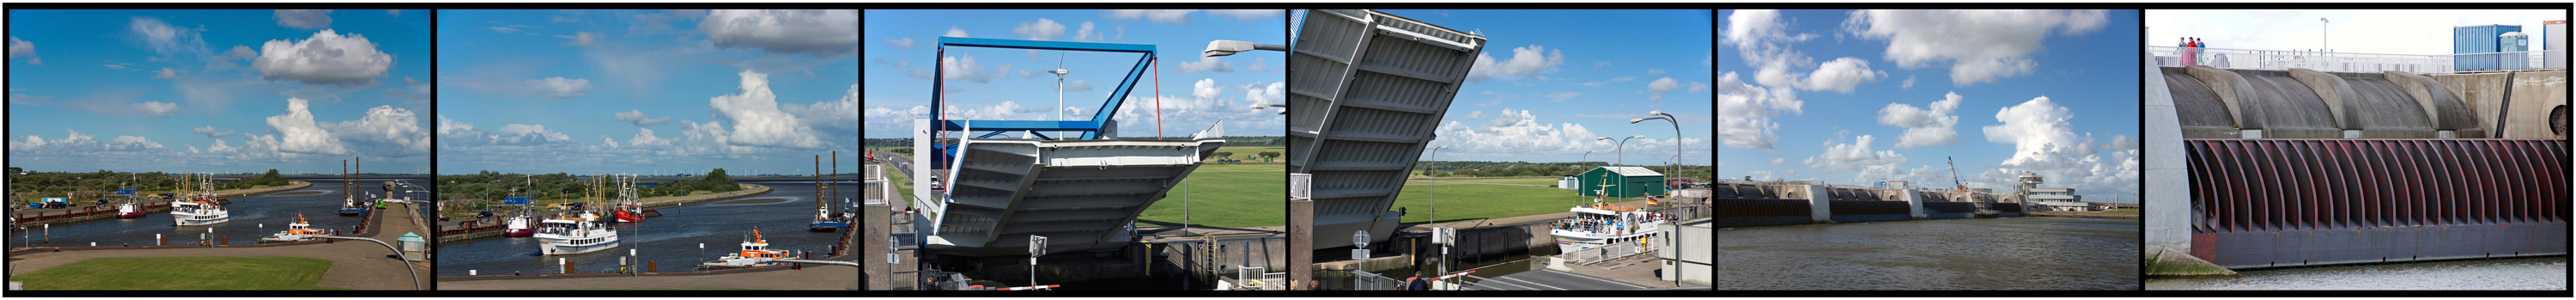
(654, 92)
(1013, 84)
(1551, 81)
(218, 90)
(1861, 97)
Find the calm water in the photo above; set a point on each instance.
(1954, 254)
(671, 240)
(2546, 273)
(253, 217)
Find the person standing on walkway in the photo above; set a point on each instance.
(1417, 283)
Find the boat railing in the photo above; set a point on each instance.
(1613, 251)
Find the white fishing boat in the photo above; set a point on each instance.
(755, 252)
(202, 208)
(199, 211)
(1600, 224)
(298, 231)
(563, 236)
(521, 225)
(130, 209)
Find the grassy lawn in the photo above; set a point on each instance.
(2122, 211)
(896, 151)
(182, 273)
(1227, 195)
(902, 185)
(1512, 180)
(1460, 202)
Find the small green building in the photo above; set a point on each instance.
(1624, 182)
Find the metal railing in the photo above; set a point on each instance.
(2342, 62)
(1365, 281)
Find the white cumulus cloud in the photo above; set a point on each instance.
(1206, 64)
(1174, 16)
(297, 133)
(304, 18)
(1980, 45)
(637, 117)
(559, 88)
(822, 33)
(326, 58)
(1745, 111)
(1854, 156)
(157, 109)
(1526, 62)
(1937, 125)
(209, 131)
(1043, 29)
(758, 121)
(1841, 75)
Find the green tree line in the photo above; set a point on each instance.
(494, 186)
(60, 184)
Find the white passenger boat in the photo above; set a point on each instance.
(562, 236)
(1600, 224)
(199, 211)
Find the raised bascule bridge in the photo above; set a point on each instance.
(2326, 159)
(994, 191)
(1371, 91)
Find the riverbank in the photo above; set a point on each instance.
(77, 213)
(467, 229)
(2084, 214)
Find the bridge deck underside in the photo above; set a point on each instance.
(1079, 194)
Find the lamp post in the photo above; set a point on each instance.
(1677, 138)
(1435, 184)
(2324, 35)
(1230, 47)
(1283, 108)
(1621, 151)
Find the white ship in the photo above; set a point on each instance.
(562, 236)
(1602, 224)
(201, 211)
(203, 208)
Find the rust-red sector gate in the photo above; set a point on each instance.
(2290, 202)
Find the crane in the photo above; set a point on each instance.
(1954, 172)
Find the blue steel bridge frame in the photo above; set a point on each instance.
(1091, 129)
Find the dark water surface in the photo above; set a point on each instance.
(2029, 253)
(670, 240)
(2544, 273)
(253, 217)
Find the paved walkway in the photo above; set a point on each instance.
(354, 264)
(813, 277)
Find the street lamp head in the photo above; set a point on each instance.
(1601, 138)
(1225, 47)
(1659, 113)
(1637, 137)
